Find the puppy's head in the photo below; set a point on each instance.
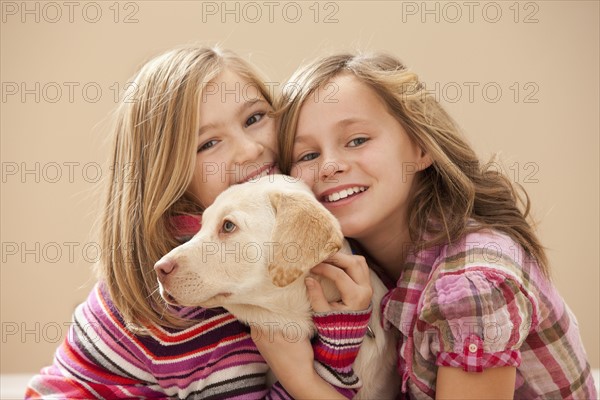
(255, 236)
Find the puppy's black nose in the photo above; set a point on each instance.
(164, 267)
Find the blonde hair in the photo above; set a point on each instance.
(455, 188)
(153, 160)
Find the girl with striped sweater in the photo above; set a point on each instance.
(197, 120)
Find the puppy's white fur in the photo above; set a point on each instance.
(256, 270)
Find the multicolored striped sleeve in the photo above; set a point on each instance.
(100, 358)
(474, 318)
(338, 340)
(78, 373)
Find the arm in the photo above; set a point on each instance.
(86, 364)
(482, 318)
(294, 363)
(55, 383)
(77, 372)
(493, 383)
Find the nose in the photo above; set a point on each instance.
(332, 165)
(164, 267)
(248, 149)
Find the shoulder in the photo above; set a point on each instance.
(478, 262)
(99, 311)
(100, 315)
(478, 287)
(490, 257)
(98, 327)
(486, 250)
(97, 308)
(97, 323)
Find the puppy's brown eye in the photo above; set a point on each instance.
(228, 226)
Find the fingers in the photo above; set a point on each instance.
(355, 266)
(316, 296)
(345, 284)
(352, 278)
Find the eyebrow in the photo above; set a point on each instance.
(350, 121)
(341, 124)
(243, 107)
(300, 139)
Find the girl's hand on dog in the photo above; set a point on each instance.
(351, 276)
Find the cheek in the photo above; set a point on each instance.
(304, 173)
(296, 172)
(195, 190)
(268, 135)
(193, 187)
(205, 185)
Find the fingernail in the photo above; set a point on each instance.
(309, 282)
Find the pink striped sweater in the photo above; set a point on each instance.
(215, 358)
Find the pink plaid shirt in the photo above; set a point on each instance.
(480, 303)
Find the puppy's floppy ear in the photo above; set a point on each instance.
(305, 234)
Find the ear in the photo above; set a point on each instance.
(424, 160)
(304, 235)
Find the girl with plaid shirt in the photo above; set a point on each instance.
(470, 292)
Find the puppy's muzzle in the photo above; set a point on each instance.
(164, 267)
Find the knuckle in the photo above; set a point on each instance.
(367, 293)
(360, 260)
(337, 272)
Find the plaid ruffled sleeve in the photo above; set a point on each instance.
(474, 318)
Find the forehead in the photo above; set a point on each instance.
(343, 97)
(229, 88)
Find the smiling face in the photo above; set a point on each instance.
(236, 139)
(357, 158)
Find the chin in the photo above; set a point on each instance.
(218, 300)
(352, 230)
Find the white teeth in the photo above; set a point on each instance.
(342, 194)
(257, 177)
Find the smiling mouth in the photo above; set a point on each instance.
(344, 194)
(267, 170)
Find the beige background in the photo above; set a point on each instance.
(521, 78)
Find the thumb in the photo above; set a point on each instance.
(316, 296)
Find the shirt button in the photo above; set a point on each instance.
(472, 348)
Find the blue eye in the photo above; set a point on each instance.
(308, 157)
(357, 142)
(254, 118)
(207, 145)
(228, 226)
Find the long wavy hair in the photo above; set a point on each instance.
(152, 165)
(456, 188)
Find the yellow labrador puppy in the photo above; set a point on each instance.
(257, 243)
